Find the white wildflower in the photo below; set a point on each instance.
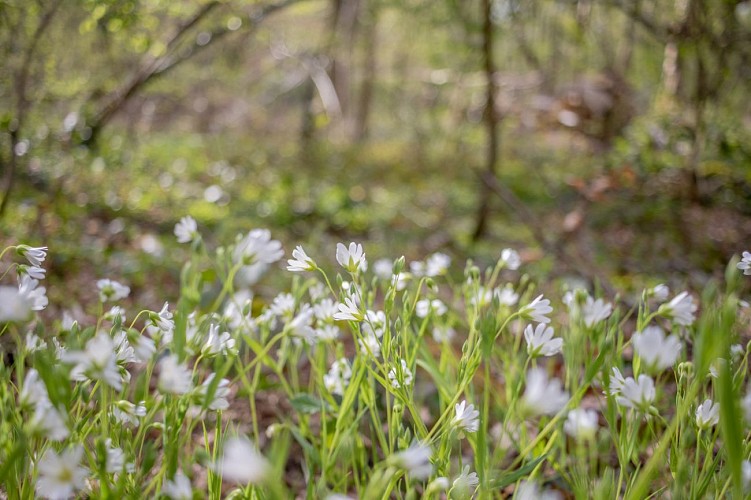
(178, 488)
(186, 230)
(443, 334)
(127, 412)
(528, 490)
(437, 264)
(659, 292)
(217, 343)
(426, 306)
(116, 461)
(465, 484)
(540, 341)
(400, 377)
(467, 419)
(680, 310)
(543, 396)
(537, 310)
(745, 264)
(349, 311)
(510, 259)
(61, 476)
(370, 346)
(581, 423)
(174, 377)
(221, 392)
(257, 247)
(616, 382)
(111, 290)
(33, 343)
(506, 296)
(353, 258)
(707, 414)
(337, 379)
(656, 350)
(33, 272)
(14, 306)
(35, 294)
(301, 261)
(415, 460)
(241, 462)
(595, 311)
(637, 394)
(97, 361)
(35, 255)
(382, 268)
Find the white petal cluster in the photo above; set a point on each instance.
(638, 394)
(351, 258)
(97, 361)
(707, 414)
(60, 475)
(655, 349)
(300, 261)
(467, 419)
(111, 290)
(241, 463)
(257, 247)
(540, 341)
(186, 230)
(415, 460)
(337, 379)
(174, 377)
(465, 484)
(594, 311)
(400, 376)
(680, 310)
(537, 310)
(424, 307)
(543, 396)
(745, 263)
(581, 423)
(510, 259)
(178, 488)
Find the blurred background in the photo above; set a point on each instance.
(606, 140)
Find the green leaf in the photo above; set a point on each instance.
(306, 403)
(511, 477)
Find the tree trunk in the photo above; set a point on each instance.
(490, 120)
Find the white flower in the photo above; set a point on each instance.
(656, 350)
(111, 290)
(337, 379)
(638, 395)
(241, 463)
(415, 460)
(219, 342)
(35, 294)
(144, 348)
(426, 306)
(33, 390)
(300, 326)
(353, 258)
(745, 263)
(437, 264)
(616, 382)
(258, 247)
(127, 412)
(283, 305)
(114, 313)
(325, 310)
(374, 323)
(595, 311)
(349, 311)
(33, 343)
(326, 333)
(219, 398)
(370, 346)
(540, 341)
(97, 361)
(581, 423)
(49, 421)
(32, 272)
(35, 255)
(417, 268)
(115, 461)
(506, 296)
(537, 310)
(467, 418)
(465, 484)
(443, 334)
(163, 319)
(60, 476)
(707, 414)
(382, 268)
(301, 261)
(174, 377)
(14, 306)
(510, 259)
(659, 292)
(543, 396)
(681, 309)
(186, 230)
(179, 488)
(528, 490)
(399, 377)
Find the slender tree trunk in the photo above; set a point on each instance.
(491, 122)
(367, 86)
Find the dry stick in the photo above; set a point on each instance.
(174, 56)
(529, 219)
